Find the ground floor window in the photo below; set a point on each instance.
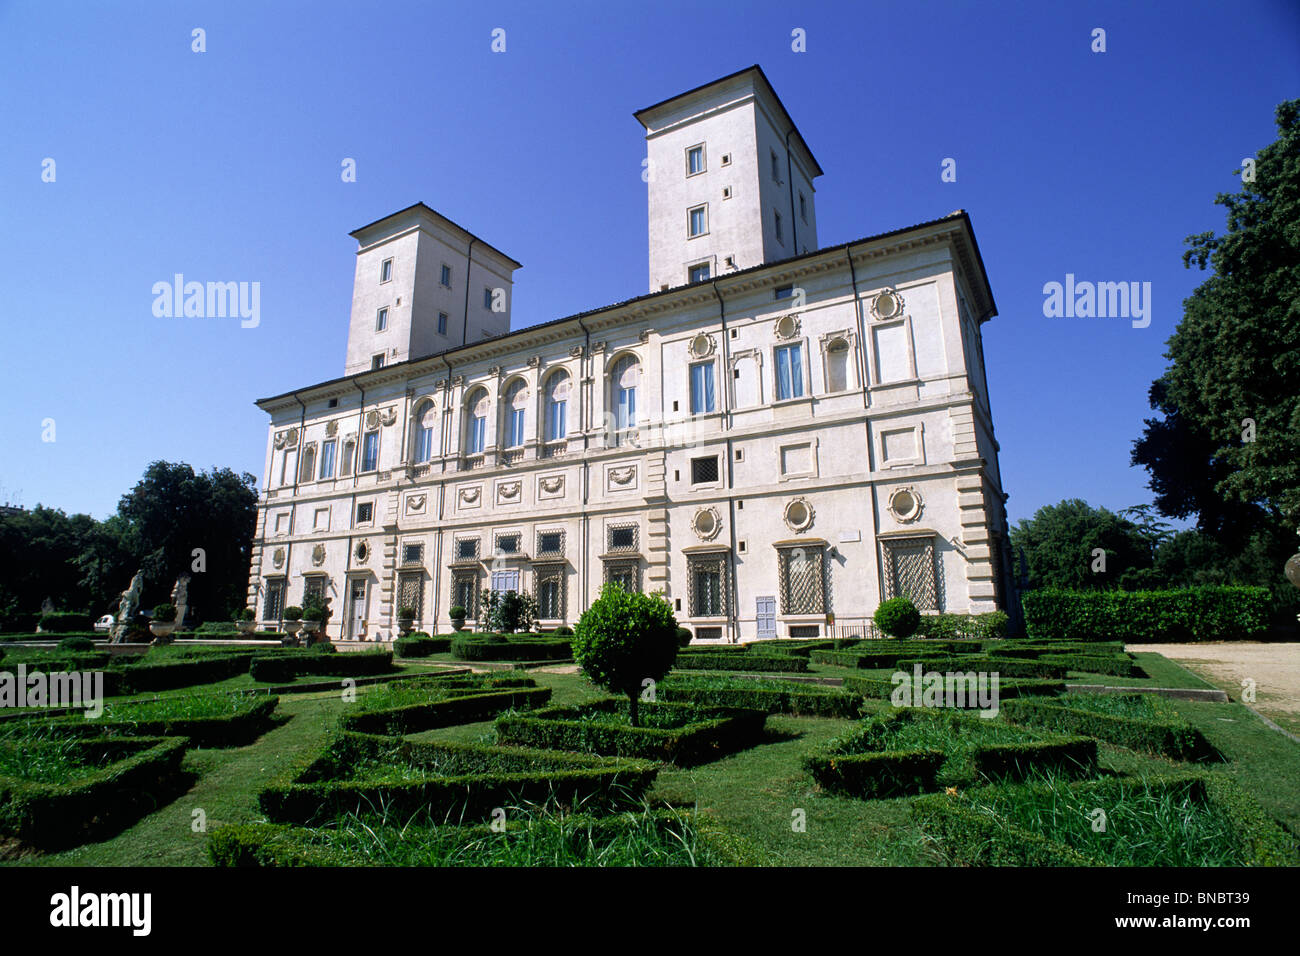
(313, 590)
(410, 592)
(549, 584)
(802, 573)
(910, 571)
(273, 608)
(464, 590)
(707, 577)
(626, 574)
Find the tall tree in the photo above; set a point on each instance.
(1227, 445)
(1060, 543)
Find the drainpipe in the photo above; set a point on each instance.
(464, 339)
(789, 181)
(585, 575)
(862, 377)
(731, 501)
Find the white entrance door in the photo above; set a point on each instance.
(505, 581)
(356, 608)
(765, 612)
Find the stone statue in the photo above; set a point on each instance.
(180, 597)
(127, 608)
(47, 606)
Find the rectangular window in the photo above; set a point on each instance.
(327, 459)
(776, 168)
(699, 273)
(550, 591)
(803, 584)
(412, 553)
(410, 592)
(780, 236)
(694, 160)
(365, 512)
(370, 451)
(702, 398)
(446, 276)
(487, 299)
(911, 571)
(442, 323)
(626, 574)
(556, 427)
(789, 372)
(376, 362)
(704, 470)
(550, 542)
(803, 208)
(464, 591)
(313, 590)
(697, 223)
(515, 428)
(622, 538)
(507, 544)
(273, 606)
(707, 577)
(467, 549)
(386, 270)
(381, 320)
(477, 436)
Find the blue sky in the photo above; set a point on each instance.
(225, 165)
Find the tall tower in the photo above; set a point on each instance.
(730, 181)
(424, 285)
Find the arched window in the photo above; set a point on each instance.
(307, 471)
(476, 412)
(837, 366)
(557, 406)
(624, 378)
(516, 400)
(426, 418)
(349, 455)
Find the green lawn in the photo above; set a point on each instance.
(757, 795)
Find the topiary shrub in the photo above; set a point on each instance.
(563, 631)
(898, 617)
(623, 640)
(64, 622)
(76, 644)
(323, 647)
(164, 614)
(293, 613)
(684, 636)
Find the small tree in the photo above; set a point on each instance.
(898, 617)
(506, 612)
(625, 639)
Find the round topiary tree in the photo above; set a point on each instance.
(625, 639)
(898, 617)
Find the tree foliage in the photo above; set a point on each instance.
(1060, 543)
(624, 639)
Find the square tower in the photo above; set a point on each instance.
(424, 285)
(730, 181)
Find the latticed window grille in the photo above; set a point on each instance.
(624, 573)
(313, 590)
(623, 537)
(803, 579)
(412, 553)
(707, 594)
(548, 581)
(910, 571)
(410, 593)
(550, 542)
(464, 591)
(467, 549)
(274, 604)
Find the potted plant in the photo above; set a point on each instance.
(405, 619)
(292, 621)
(313, 618)
(457, 615)
(164, 622)
(245, 620)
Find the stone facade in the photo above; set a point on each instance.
(776, 449)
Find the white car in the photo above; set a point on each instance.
(105, 623)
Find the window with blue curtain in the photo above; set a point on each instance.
(623, 381)
(516, 402)
(327, 459)
(477, 435)
(626, 408)
(556, 414)
(701, 388)
(370, 451)
(424, 422)
(789, 372)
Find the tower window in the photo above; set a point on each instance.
(386, 270)
(699, 273)
(697, 221)
(780, 235)
(376, 362)
(776, 168)
(381, 320)
(726, 159)
(446, 276)
(487, 299)
(803, 208)
(442, 323)
(694, 160)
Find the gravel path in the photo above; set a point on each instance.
(1275, 669)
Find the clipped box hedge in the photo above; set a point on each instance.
(277, 668)
(972, 829)
(440, 780)
(866, 763)
(142, 677)
(1003, 666)
(463, 708)
(246, 724)
(141, 773)
(65, 622)
(882, 689)
(761, 663)
(788, 647)
(799, 700)
(1146, 617)
(682, 734)
(485, 648)
(1117, 665)
(1173, 737)
(422, 646)
(874, 659)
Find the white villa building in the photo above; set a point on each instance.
(777, 437)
